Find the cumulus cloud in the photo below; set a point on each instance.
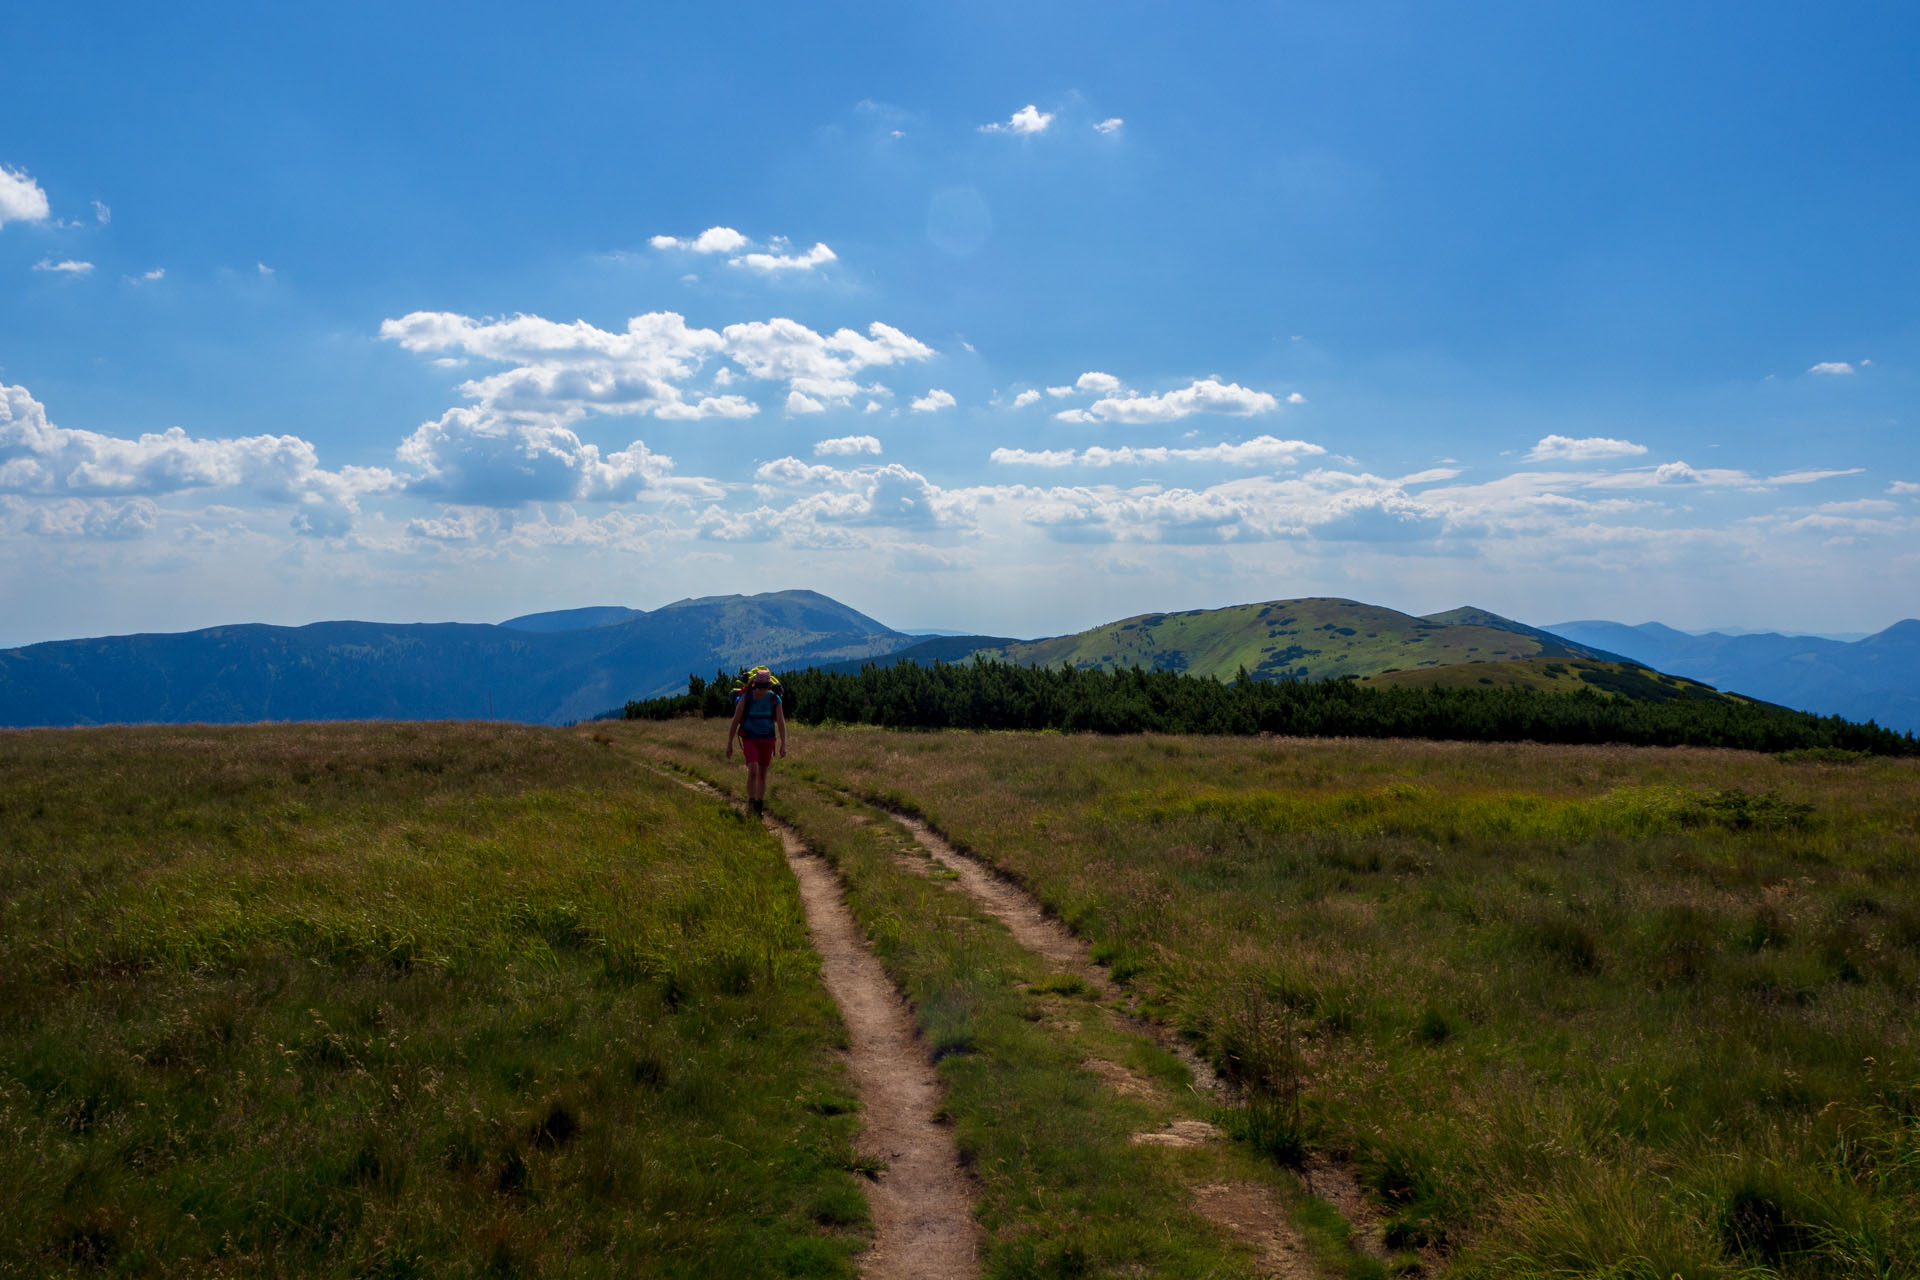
(40, 459)
(712, 240)
(1376, 517)
(1676, 473)
(567, 370)
(1060, 393)
(1026, 398)
(1098, 384)
(843, 445)
(1208, 395)
(1027, 120)
(1259, 451)
(1075, 415)
(798, 404)
(21, 199)
(68, 267)
(148, 277)
(471, 457)
(933, 401)
(1294, 397)
(1905, 488)
(1832, 367)
(1583, 449)
(1112, 124)
(772, 263)
(76, 518)
(822, 366)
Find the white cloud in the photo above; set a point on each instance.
(1027, 120)
(158, 273)
(1032, 458)
(933, 401)
(1208, 395)
(562, 371)
(76, 518)
(797, 404)
(1075, 415)
(1112, 124)
(1259, 451)
(1905, 488)
(1676, 473)
(873, 406)
(712, 240)
(40, 459)
(21, 199)
(819, 365)
(1810, 477)
(1059, 393)
(843, 445)
(101, 213)
(772, 263)
(472, 457)
(263, 268)
(68, 267)
(1831, 366)
(1097, 384)
(1583, 449)
(1294, 397)
(1026, 398)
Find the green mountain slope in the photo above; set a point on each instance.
(1557, 675)
(1310, 639)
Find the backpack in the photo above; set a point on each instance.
(758, 721)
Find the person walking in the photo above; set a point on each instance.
(758, 719)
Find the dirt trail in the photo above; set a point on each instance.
(1248, 1210)
(922, 1202)
(922, 1205)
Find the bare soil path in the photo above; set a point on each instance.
(922, 1203)
(921, 1199)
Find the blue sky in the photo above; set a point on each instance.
(1015, 318)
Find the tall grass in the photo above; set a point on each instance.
(1064, 1190)
(403, 1000)
(1567, 1010)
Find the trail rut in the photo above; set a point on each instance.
(1247, 1210)
(922, 1205)
(921, 1199)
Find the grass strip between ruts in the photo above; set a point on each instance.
(1064, 1191)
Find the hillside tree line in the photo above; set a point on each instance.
(986, 694)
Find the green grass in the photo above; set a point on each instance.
(1565, 1010)
(1063, 1189)
(379, 1000)
(1282, 639)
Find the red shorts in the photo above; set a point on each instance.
(757, 751)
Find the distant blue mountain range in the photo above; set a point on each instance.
(1876, 678)
(545, 667)
(572, 664)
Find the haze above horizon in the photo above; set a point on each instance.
(1019, 319)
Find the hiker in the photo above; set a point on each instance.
(758, 718)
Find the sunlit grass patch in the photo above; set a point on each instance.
(1565, 1010)
(392, 999)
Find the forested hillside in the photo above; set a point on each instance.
(985, 694)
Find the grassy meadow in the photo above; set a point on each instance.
(1566, 1010)
(392, 1000)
